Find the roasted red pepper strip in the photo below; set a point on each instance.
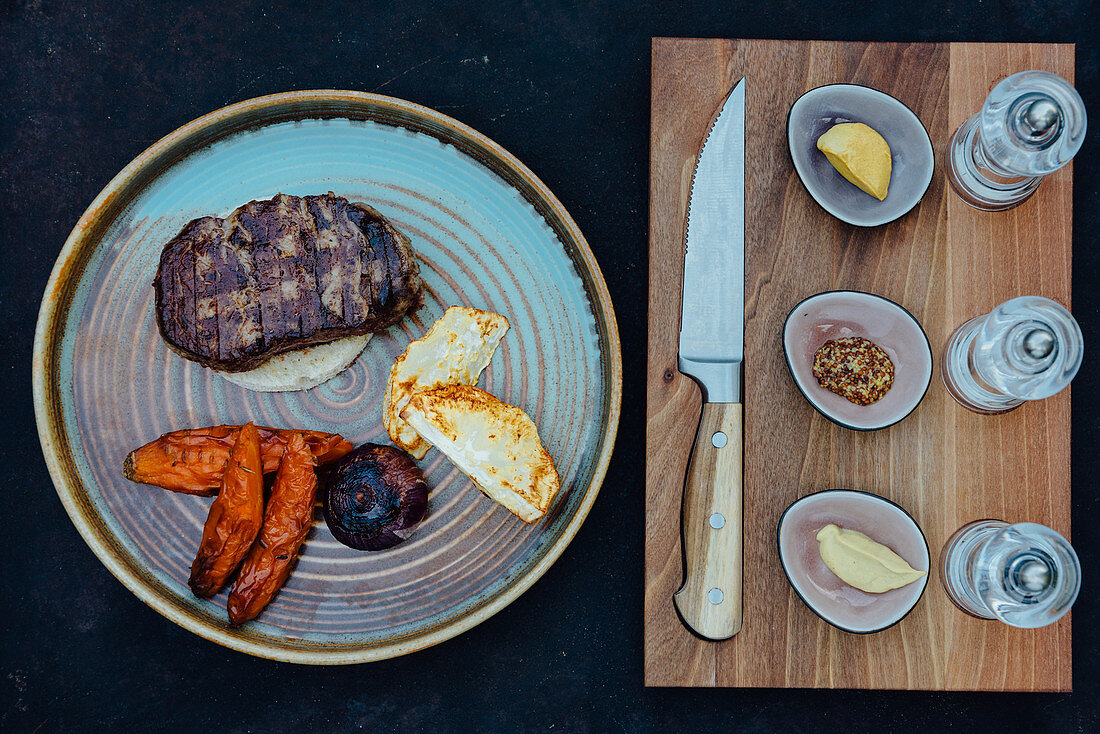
(192, 461)
(287, 520)
(235, 518)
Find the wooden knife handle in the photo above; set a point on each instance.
(710, 599)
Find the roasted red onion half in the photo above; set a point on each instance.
(375, 498)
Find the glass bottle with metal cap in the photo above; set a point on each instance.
(1031, 124)
(1028, 348)
(1025, 575)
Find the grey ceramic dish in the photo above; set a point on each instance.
(838, 314)
(911, 149)
(843, 606)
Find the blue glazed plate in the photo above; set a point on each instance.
(488, 234)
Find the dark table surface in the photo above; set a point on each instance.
(565, 87)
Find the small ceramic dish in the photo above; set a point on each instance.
(838, 314)
(819, 109)
(843, 606)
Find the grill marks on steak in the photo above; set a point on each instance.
(282, 274)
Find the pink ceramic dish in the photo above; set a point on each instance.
(843, 606)
(837, 314)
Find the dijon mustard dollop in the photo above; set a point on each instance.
(863, 563)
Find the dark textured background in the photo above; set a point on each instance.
(565, 87)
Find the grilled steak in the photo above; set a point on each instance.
(282, 274)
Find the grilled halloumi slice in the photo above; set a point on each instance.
(495, 444)
(454, 351)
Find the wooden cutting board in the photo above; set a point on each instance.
(945, 263)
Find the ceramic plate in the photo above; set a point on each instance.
(488, 234)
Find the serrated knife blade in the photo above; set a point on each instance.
(712, 338)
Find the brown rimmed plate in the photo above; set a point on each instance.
(488, 233)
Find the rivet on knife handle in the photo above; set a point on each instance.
(710, 599)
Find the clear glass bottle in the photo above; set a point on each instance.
(1027, 348)
(1025, 575)
(1031, 124)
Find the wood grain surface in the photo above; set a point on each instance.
(712, 525)
(945, 263)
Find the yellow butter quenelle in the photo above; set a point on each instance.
(860, 154)
(862, 562)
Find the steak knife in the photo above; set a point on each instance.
(712, 339)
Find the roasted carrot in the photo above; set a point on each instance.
(235, 518)
(193, 460)
(287, 520)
